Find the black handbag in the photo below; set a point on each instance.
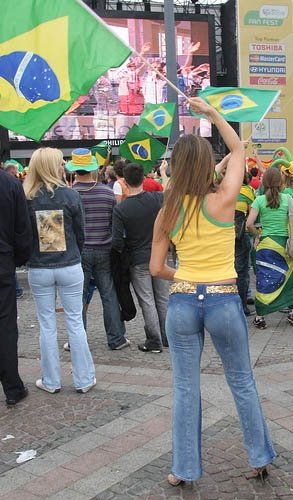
(240, 224)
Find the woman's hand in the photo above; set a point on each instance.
(199, 106)
(163, 167)
(145, 48)
(256, 241)
(193, 47)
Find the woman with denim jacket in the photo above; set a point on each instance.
(198, 219)
(55, 265)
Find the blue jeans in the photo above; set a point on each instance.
(18, 287)
(69, 282)
(222, 316)
(96, 264)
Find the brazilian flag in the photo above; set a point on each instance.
(100, 151)
(274, 275)
(140, 147)
(237, 104)
(157, 119)
(51, 52)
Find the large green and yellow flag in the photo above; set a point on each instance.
(237, 104)
(51, 52)
(158, 118)
(140, 147)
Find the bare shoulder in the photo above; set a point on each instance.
(219, 207)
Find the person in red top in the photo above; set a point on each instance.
(255, 180)
(150, 184)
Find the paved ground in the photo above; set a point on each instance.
(115, 441)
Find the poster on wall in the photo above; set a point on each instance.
(265, 46)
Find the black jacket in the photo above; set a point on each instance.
(58, 228)
(15, 227)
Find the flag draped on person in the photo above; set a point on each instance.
(237, 104)
(140, 147)
(50, 54)
(274, 275)
(158, 118)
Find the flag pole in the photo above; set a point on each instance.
(167, 146)
(163, 77)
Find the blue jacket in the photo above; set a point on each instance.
(58, 228)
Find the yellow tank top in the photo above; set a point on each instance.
(205, 254)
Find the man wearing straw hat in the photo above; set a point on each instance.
(98, 201)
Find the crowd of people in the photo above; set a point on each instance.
(79, 226)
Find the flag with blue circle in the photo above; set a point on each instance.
(274, 275)
(140, 147)
(237, 104)
(51, 52)
(158, 118)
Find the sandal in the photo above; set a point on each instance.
(173, 480)
(259, 323)
(260, 473)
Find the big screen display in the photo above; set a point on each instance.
(116, 100)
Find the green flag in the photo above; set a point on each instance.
(100, 151)
(237, 104)
(140, 147)
(51, 52)
(158, 118)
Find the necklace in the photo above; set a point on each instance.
(88, 189)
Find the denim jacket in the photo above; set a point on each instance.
(58, 228)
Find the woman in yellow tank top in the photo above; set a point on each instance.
(198, 219)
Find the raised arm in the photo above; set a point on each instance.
(230, 186)
(258, 161)
(192, 49)
(163, 168)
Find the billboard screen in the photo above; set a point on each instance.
(116, 100)
(265, 62)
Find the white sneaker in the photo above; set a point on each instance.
(88, 388)
(66, 346)
(122, 346)
(40, 385)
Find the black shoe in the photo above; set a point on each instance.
(13, 402)
(260, 323)
(250, 301)
(144, 348)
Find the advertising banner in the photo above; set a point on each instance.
(265, 46)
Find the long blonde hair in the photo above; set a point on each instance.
(192, 173)
(44, 171)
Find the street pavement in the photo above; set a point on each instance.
(115, 441)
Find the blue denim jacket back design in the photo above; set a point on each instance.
(60, 215)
